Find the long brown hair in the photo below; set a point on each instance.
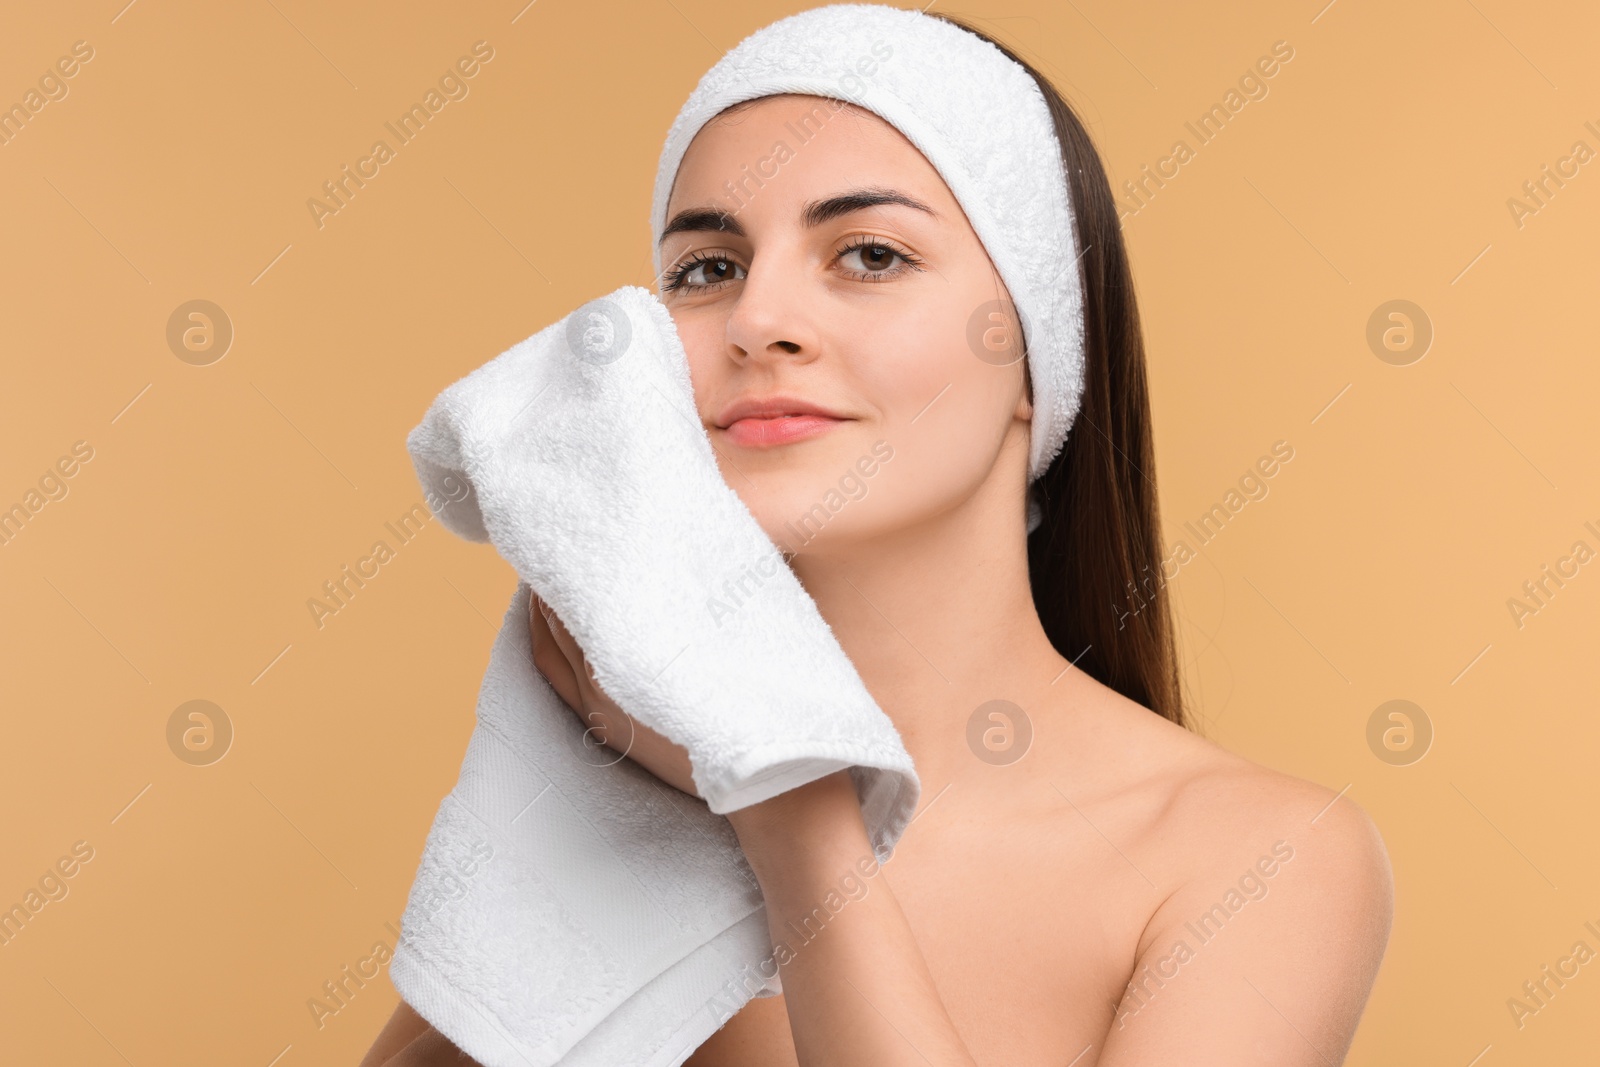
(1094, 563)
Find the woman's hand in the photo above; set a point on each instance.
(561, 661)
(801, 844)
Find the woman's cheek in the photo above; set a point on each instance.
(691, 335)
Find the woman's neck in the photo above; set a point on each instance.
(938, 619)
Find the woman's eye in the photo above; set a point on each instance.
(706, 272)
(872, 258)
(867, 261)
(877, 261)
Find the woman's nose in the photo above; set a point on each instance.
(770, 318)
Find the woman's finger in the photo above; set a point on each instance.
(549, 657)
(607, 723)
(569, 645)
(569, 651)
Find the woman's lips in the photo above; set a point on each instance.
(757, 432)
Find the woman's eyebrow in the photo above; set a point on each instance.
(815, 213)
(819, 211)
(698, 219)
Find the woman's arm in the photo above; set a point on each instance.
(1284, 984)
(857, 993)
(1268, 962)
(401, 1029)
(408, 1041)
(859, 990)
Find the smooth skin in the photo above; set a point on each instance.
(1124, 894)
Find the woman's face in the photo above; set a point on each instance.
(792, 280)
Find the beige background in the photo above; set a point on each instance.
(219, 498)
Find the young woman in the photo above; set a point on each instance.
(1087, 882)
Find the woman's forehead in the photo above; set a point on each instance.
(808, 142)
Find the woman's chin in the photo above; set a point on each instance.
(801, 510)
(782, 520)
(777, 525)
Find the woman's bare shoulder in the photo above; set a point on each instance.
(1281, 885)
(1205, 811)
(1217, 823)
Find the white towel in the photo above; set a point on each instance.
(570, 909)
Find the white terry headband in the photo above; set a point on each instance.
(977, 116)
